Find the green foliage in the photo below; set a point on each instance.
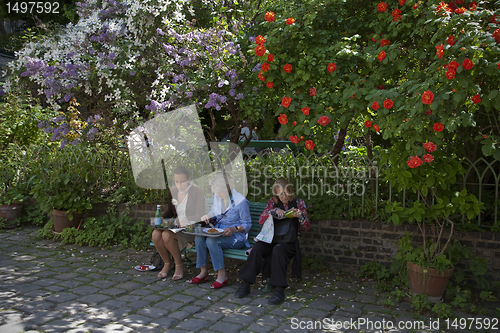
(420, 304)
(104, 231)
(33, 215)
(14, 173)
(442, 310)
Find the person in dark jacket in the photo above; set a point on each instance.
(187, 204)
(283, 248)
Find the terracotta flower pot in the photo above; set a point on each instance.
(61, 220)
(430, 283)
(10, 212)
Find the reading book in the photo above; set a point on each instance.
(288, 214)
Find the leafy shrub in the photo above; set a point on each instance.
(104, 231)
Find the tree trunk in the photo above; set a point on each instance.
(337, 147)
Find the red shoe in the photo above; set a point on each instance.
(218, 285)
(197, 280)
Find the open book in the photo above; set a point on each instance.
(288, 214)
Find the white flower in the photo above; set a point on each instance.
(174, 202)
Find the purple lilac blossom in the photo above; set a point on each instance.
(159, 31)
(251, 39)
(232, 92)
(239, 96)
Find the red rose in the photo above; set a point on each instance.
(261, 77)
(440, 50)
(287, 68)
(270, 58)
(294, 139)
(415, 6)
(382, 7)
(381, 56)
(376, 128)
(402, 2)
(269, 16)
(460, 10)
(476, 99)
(396, 18)
(450, 74)
(331, 67)
(428, 112)
(265, 67)
(290, 21)
(499, 65)
(260, 40)
(294, 123)
(384, 42)
(453, 65)
(310, 144)
(323, 120)
(396, 12)
(375, 106)
(381, 87)
(451, 40)
(283, 119)
(438, 127)
(467, 64)
(286, 101)
(427, 97)
(414, 162)
(269, 84)
(430, 146)
(388, 103)
(496, 35)
(493, 19)
(368, 124)
(428, 158)
(312, 91)
(306, 110)
(260, 51)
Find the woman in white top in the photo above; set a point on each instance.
(187, 204)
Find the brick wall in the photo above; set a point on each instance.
(351, 244)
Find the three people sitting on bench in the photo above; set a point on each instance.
(284, 247)
(230, 212)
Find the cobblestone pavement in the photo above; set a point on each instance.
(47, 287)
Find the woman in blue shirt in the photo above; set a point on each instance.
(231, 213)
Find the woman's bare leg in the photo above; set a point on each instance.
(163, 251)
(172, 245)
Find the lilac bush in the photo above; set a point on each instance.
(125, 62)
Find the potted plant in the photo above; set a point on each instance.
(13, 184)
(432, 202)
(65, 184)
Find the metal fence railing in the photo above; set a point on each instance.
(354, 186)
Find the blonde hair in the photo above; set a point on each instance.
(286, 186)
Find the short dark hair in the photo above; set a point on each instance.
(181, 170)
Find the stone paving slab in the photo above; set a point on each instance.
(46, 287)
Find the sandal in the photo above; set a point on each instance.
(162, 274)
(178, 277)
(218, 285)
(197, 280)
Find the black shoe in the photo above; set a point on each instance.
(243, 290)
(278, 296)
